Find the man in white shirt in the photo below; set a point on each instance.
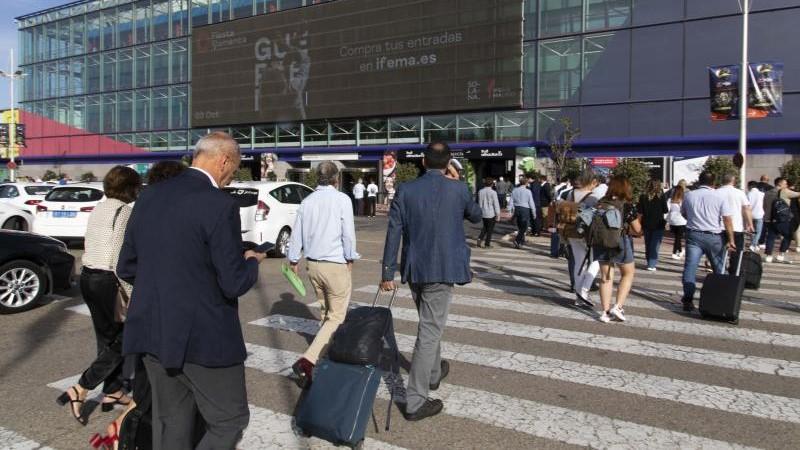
(742, 214)
(325, 233)
(358, 195)
(372, 198)
(756, 198)
(602, 187)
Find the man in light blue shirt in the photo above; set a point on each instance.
(707, 214)
(523, 208)
(324, 231)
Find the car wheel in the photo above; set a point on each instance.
(22, 286)
(15, 223)
(282, 243)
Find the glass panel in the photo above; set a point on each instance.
(142, 55)
(159, 141)
(63, 111)
(51, 109)
(93, 106)
(93, 71)
(93, 32)
(242, 137)
(220, 10)
(110, 113)
(29, 85)
(545, 120)
(78, 35)
(343, 132)
(109, 24)
(374, 131)
(39, 42)
(142, 110)
(63, 38)
(63, 78)
(180, 17)
(143, 21)
(289, 4)
(440, 128)
(161, 63)
(560, 17)
(51, 35)
(315, 133)
(125, 69)
(559, 70)
(51, 80)
(78, 119)
(125, 111)
(476, 127)
(160, 20)
(77, 77)
(603, 14)
(38, 81)
(142, 140)
(266, 6)
(242, 8)
(289, 134)
(264, 135)
(529, 74)
(178, 140)
(199, 12)
(515, 126)
(404, 129)
(195, 135)
(125, 25)
(180, 61)
(180, 107)
(109, 71)
(160, 101)
(593, 48)
(530, 19)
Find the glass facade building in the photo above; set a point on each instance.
(627, 72)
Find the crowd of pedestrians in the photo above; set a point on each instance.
(162, 279)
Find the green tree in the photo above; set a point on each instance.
(406, 172)
(310, 179)
(572, 168)
(88, 177)
(561, 148)
(243, 174)
(791, 171)
(636, 172)
(49, 175)
(720, 167)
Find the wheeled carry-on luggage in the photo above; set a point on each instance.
(721, 295)
(752, 270)
(338, 405)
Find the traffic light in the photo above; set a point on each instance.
(3, 135)
(19, 135)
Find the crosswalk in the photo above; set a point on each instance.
(527, 362)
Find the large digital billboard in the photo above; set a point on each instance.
(358, 58)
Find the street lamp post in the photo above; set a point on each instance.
(744, 78)
(12, 75)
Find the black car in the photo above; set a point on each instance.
(31, 266)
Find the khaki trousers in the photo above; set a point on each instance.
(334, 285)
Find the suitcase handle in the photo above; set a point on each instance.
(739, 263)
(391, 301)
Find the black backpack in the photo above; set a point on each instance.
(781, 212)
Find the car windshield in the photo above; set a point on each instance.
(246, 197)
(74, 194)
(38, 190)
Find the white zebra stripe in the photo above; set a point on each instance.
(653, 386)
(10, 440)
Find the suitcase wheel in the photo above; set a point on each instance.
(359, 445)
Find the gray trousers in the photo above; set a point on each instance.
(219, 394)
(433, 302)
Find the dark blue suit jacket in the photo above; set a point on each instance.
(536, 191)
(428, 214)
(183, 254)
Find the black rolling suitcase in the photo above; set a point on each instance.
(751, 270)
(721, 296)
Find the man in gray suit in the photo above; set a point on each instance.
(427, 215)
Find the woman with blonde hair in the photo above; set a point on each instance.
(677, 223)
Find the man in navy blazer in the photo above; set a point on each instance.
(427, 215)
(183, 254)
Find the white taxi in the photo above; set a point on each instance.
(64, 212)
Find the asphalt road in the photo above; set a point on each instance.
(528, 369)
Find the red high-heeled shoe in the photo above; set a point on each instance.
(105, 442)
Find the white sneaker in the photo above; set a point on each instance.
(605, 318)
(762, 246)
(768, 259)
(780, 258)
(651, 269)
(618, 313)
(676, 256)
(797, 249)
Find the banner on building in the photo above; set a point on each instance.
(765, 91)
